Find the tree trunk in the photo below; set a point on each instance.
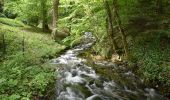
(55, 18)
(1, 6)
(159, 7)
(70, 19)
(118, 20)
(44, 16)
(109, 26)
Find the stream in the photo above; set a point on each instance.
(79, 80)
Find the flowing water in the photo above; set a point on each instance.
(78, 80)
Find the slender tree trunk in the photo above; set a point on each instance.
(70, 19)
(4, 44)
(109, 26)
(159, 7)
(55, 18)
(1, 5)
(44, 16)
(23, 46)
(70, 28)
(118, 20)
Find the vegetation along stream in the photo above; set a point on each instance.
(84, 49)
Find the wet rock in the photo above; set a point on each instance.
(74, 73)
(99, 83)
(82, 89)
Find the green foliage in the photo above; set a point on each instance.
(22, 76)
(152, 55)
(29, 11)
(2, 15)
(11, 22)
(142, 20)
(21, 81)
(83, 16)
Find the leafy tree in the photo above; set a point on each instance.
(30, 11)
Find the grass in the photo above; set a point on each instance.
(25, 75)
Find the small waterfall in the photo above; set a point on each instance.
(79, 81)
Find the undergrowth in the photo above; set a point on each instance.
(11, 22)
(151, 52)
(23, 73)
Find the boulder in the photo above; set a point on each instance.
(59, 34)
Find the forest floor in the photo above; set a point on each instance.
(151, 55)
(23, 53)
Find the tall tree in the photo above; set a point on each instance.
(110, 30)
(119, 23)
(44, 15)
(55, 18)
